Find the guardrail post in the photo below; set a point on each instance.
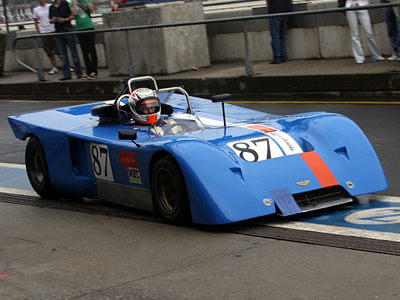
(249, 61)
(39, 61)
(131, 67)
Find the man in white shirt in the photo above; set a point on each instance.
(42, 25)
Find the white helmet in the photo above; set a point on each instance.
(145, 106)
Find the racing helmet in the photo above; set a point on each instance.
(145, 106)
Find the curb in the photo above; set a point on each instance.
(331, 87)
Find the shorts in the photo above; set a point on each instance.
(50, 46)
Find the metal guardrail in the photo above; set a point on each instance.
(244, 20)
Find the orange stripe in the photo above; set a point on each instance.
(320, 169)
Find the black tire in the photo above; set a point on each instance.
(37, 168)
(169, 192)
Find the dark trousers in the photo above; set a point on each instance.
(66, 42)
(393, 28)
(88, 47)
(277, 27)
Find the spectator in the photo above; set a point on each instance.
(277, 29)
(362, 16)
(60, 14)
(41, 18)
(393, 30)
(82, 9)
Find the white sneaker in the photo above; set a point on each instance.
(393, 57)
(379, 59)
(53, 71)
(92, 75)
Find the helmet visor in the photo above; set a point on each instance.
(148, 106)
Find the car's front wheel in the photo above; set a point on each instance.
(169, 192)
(37, 168)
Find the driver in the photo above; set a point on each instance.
(145, 106)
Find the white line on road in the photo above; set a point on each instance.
(14, 166)
(17, 191)
(338, 230)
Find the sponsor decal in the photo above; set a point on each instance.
(128, 159)
(261, 128)
(134, 175)
(286, 142)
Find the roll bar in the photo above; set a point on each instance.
(171, 90)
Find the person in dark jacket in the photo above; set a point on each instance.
(393, 30)
(60, 15)
(277, 29)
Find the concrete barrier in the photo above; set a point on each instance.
(161, 50)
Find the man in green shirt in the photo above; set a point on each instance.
(81, 10)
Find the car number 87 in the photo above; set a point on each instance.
(101, 162)
(254, 150)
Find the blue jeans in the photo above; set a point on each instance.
(393, 29)
(64, 42)
(277, 32)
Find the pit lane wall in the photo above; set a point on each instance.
(319, 36)
(171, 50)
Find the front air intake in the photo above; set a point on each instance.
(326, 197)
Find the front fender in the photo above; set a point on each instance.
(347, 151)
(218, 192)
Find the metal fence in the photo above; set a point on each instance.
(244, 20)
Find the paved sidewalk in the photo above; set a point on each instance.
(303, 79)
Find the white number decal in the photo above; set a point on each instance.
(101, 162)
(253, 150)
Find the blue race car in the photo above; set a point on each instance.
(194, 160)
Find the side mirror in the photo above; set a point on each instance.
(130, 134)
(222, 98)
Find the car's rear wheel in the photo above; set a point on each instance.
(169, 192)
(37, 168)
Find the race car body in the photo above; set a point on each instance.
(202, 161)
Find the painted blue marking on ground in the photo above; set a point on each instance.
(372, 215)
(14, 178)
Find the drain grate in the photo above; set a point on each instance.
(317, 238)
(83, 206)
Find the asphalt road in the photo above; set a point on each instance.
(77, 252)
